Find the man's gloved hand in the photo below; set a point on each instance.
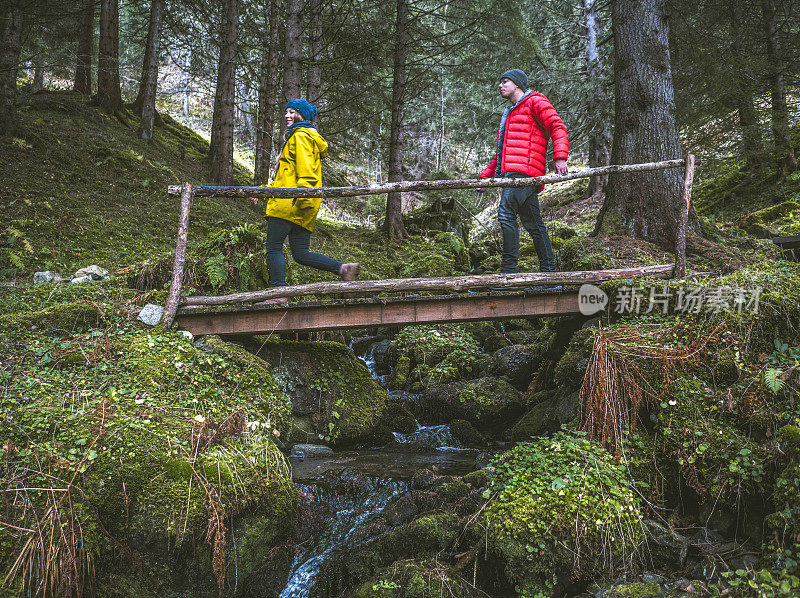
(561, 166)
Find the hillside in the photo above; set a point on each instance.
(78, 187)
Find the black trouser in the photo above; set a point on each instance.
(299, 240)
(523, 202)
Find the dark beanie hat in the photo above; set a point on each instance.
(518, 77)
(306, 109)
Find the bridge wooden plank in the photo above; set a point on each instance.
(423, 310)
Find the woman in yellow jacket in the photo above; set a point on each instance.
(299, 165)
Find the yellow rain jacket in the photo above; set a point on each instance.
(299, 165)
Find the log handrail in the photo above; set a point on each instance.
(447, 283)
(404, 186)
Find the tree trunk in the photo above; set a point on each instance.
(109, 94)
(752, 145)
(596, 107)
(315, 45)
(83, 69)
(267, 95)
(146, 100)
(292, 70)
(393, 224)
(38, 76)
(780, 113)
(9, 63)
(222, 158)
(645, 206)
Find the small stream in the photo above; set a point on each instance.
(385, 473)
(346, 515)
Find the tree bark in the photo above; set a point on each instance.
(645, 206)
(222, 158)
(267, 95)
(752, 144)
(109, 94)
(83, 68)
(315, 45)
(393, 223)
(780, 112)
(292, 71)
(146, 100)
(596, 107)
(406, 186)
(38, 76)
(446, 283)
(9, 63)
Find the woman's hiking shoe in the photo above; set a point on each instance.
(349, 272)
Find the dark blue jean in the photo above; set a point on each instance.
(299, 240)
(523, 202)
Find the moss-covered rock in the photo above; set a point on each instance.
(428, 355)
(547, 415)
(328, 383)
(489, 404)
(65, 317)
(556, 494)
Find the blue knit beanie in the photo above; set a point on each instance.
(306, 109)
(518, 77)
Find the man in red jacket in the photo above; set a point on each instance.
(525, 129)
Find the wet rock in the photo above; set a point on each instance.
(151, 314)
(547, 416)
(311, 451)
(518, 363)
(466, 434)
(423, 478)
(46, 276)
(667, 547)
(400, 511)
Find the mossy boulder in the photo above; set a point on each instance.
(562, 504)
(429, 355)
(328, 383)
(166, 445)
(548, 415)
(489, 404)
(518, 363)
(415, 579)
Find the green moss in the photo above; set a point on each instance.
(75, 316)
(436, 355)
(547, 499)
(454, 490)
(478, 478)
(635, 590)
(326, 379)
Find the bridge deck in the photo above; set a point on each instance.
(362, 313)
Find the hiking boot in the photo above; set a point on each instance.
(349, 272)
(273, 301)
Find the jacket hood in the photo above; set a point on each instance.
(316, 137)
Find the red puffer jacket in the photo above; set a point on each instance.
(524, 144)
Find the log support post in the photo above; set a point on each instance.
(178, 266)
(680, 245)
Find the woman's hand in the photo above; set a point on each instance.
(254, 200)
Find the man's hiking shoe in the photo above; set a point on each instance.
(349, 272)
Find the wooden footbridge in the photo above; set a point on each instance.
(367, 303)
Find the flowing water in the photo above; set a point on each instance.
(346, 515)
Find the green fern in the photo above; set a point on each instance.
(773, 380)
(217, 269)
